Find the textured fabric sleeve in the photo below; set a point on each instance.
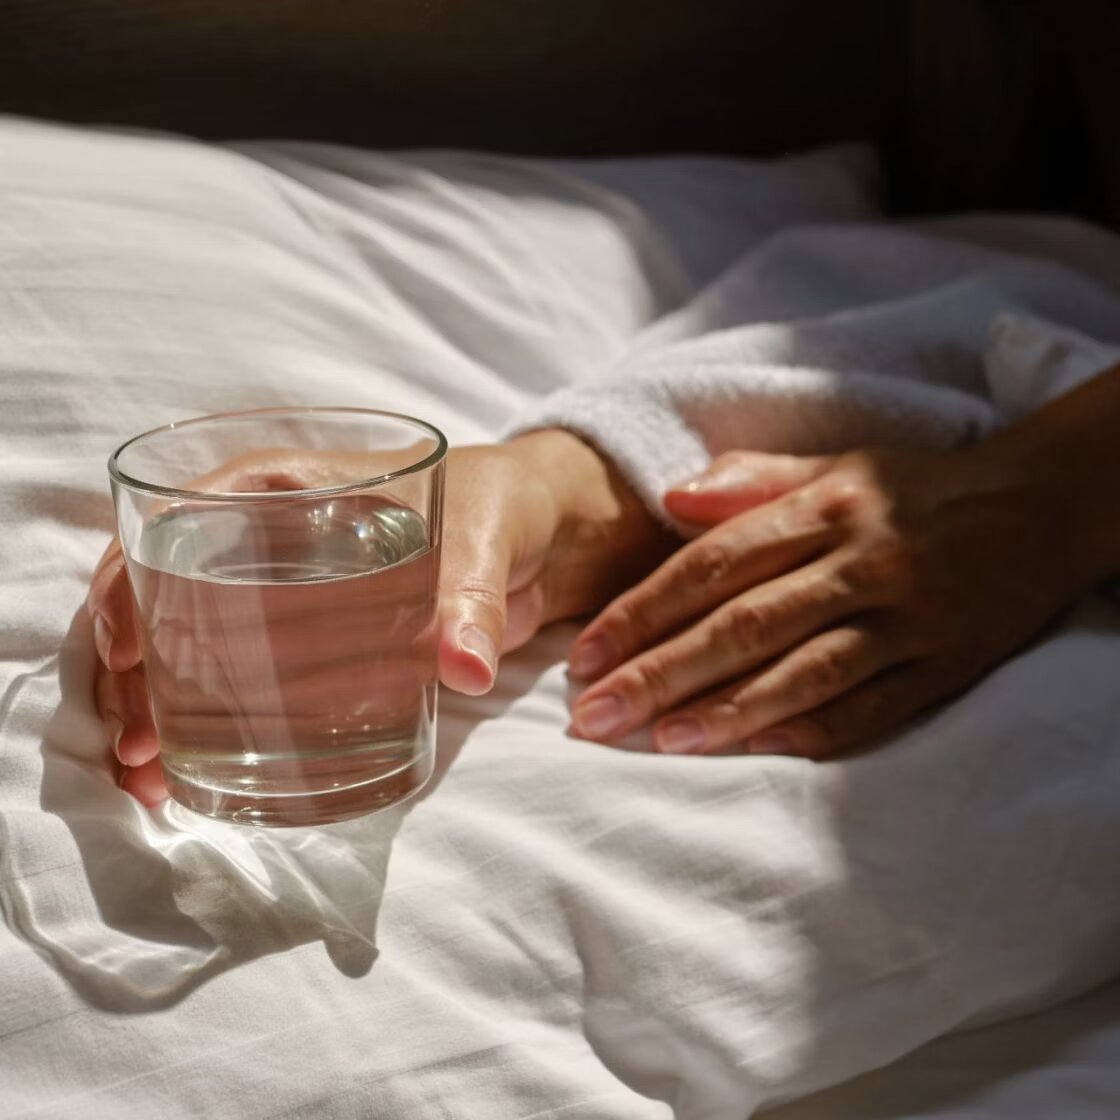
(827, 338)
(661, 422)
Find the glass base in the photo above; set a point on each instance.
(268, 808)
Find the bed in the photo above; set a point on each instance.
(554, 928)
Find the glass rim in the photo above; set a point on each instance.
(432, 459)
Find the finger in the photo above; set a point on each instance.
(284, 469)
(146, 783)
(825, 667)
(126, 713)
(473, 580)
(857, 718)
(111, 610)
(740, 635)
(208, 691)
(110, 602)
(707, 572)
(738, 481)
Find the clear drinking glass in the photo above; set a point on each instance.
(284, 565)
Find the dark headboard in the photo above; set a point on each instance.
(975, 102)
(571, 76)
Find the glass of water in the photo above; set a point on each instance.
(285, 567)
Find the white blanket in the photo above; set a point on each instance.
(565, 929)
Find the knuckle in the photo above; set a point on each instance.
(841, 500)
(484, 595)
(886, 566)
(821, 675)
(651, 681)
(744, 626)
(628, 623)
(706, 561)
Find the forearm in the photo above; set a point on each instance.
(1068, 453)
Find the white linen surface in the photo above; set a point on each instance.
(565, 929)
(1060, 1064)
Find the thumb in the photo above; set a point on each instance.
(472, 612)
(740, 480)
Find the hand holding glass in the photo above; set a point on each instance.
(287, 609)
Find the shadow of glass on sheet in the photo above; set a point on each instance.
(169, 898)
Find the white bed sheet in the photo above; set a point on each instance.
(1061, 1064)
(565, 930)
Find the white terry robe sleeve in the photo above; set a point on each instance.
(663, 425)
(830, 338)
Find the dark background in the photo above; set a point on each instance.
(976, 103)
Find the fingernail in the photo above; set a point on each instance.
(725, 478)
(680, 736)
(592, 657)
(114, 729)
(102, 636)
(475, 640)
(770, 743)
(601, 716)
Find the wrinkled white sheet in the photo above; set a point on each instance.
(1061, 1064)
(564, 929)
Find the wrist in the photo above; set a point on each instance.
(605, 538)
(570, 468)
(1065, 459)
(1081, 527)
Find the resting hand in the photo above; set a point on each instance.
(535, 530)
(833, 599)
